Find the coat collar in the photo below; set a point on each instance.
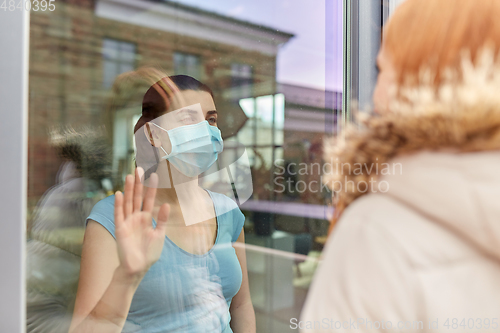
(461, 115)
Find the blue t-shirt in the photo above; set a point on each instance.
(185, 292)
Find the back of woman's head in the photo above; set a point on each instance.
(433, 34)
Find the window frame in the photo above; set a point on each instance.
(14, 32)
(363, 21)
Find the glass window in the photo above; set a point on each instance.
(265, 63)
(187, 64)
(241, 80)
(118, 58)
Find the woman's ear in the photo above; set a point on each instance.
(152, 135)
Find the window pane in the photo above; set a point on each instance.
(110, 71)
(127, 48)
(265, 64)
(118, 57)
(110, 49)
(124, 67)
(179, 63)
(187, 64)
(248, 106)
(241, 80)
(128, 55)
(192, 61)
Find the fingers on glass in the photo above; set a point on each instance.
(163, 217)
(129, 193)
(140, 172)
(118, 208)
(137, 192)
(149, 198)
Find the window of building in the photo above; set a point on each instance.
(241, 80)
(241, 75)
(187, 64)
(119, 57)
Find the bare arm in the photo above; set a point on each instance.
(111, 271)
(111, 310)
(242, 312)
(104, 291)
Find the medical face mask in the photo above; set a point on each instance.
(194, 147)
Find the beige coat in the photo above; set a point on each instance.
(426, 253)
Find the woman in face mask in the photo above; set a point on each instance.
(160, 258)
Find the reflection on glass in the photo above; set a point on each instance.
(119, 57)
(266, 72)
(188, 64)
(57, 227)
(165, 246)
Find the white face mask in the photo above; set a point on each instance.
(195, 147)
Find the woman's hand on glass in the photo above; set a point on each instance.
(139, 244)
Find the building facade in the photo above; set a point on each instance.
(78, 50)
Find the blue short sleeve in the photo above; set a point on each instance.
(239, 220)
(104, 214)
(228, 211)
(170, 295)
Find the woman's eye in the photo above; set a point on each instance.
(212, 120)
